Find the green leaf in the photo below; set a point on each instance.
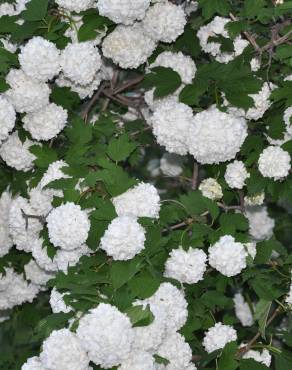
(165, 81)
(140, 316)
(284, 51)
(227, 359)
(44, 155)
(120, 148)
(213, 298)
(251, 364)
(92, 25)
(7, 24)
(144, 285)
(161, 360)
(50, 323)
(253, 8)
(123, 271)
(261, 314)
(65, 97)
(264, 251)
(36, 10)
(197, 204)
(190, 94)
(211, 7)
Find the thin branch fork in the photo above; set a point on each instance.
(26, 217)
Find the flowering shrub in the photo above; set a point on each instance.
(145, 185)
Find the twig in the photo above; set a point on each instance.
(92, 101)
(128, 84)
(26, 217)
(248, 36)
(195, 176)
(228, 208)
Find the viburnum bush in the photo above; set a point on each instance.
(146, 185)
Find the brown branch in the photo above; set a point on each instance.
(128, 84)
(247, 35)
(195, 177)
(228, 208)
(92, 101)
(26, 217)
(187, 222)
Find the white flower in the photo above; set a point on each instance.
(263, 357)
(215, 136)
(288, 299)
(287, 117)
(261, 225)
(39, 253)
(186, 266)
(236, 174)
(261, 102)
(7, 44)
(107, 335)
(218, 336)
(68, 226)
(242, 310)
(63, 350)
(176, 351)
(254, 200)
(214, 28)
(255, 64)
(54, 172)
(33, 363)
(173, 301)
(16, 154)
(46, 123)
(164, 22)
(23, 231)
(171, 122)
(40, 59)
(251, 249)
(123, 239)
(26, 95)
(40, 200)
(180, 63)
(140, 201)
(274, 162)
(171, 164)
(211, 189)
(148, 338)
(76, 5)
(128, 46)
(57, 302)
(64, 258)
(6, 242)
(139, 361)
(80, 62)
(36, 274)
(123, 11)
(153, 103)
(228, 256)
(7, 118)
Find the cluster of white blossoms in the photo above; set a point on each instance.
(261, 225)
(186, 266)
(262, 357)
(171, 164)
(288, 299)
(236, 174)
(6, 242)
(242, 310)
(218, 336)
(275, 163)
(7, 118)
(228, 256)
(217, 27)
(211, 189)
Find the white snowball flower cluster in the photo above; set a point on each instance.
(68, 226)
(287, 117)
(23, 231)
(124, 238)
(211, 189)
(16, 154)
(180, 63)
(254, 200)
(33, 363)
(54, 172)
(123, 11)
(7, 118)
(15, 290)
(274, 162)
(261, 102)
(39, 253)
(236, 174)
(76, 5)
(57, 302)
(40, 59)
(164, 22)
(139, 361)
(216, 136)
(172, 300)
(128, 46)
(228, 256)
(46, 123)
(63, 350)
(218, 336)
(263, 357)
(215, 28)
(261, 225)
(25, 94)
(242, 310)
(80, 62)
(255, 64)
(13, 9)
(36, 274)
(107, 335)
(171, 122)
(186, 266)
(171, 164)
(176, 351)
(6, 242)
(141, 201)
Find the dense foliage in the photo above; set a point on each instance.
(145, 173)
